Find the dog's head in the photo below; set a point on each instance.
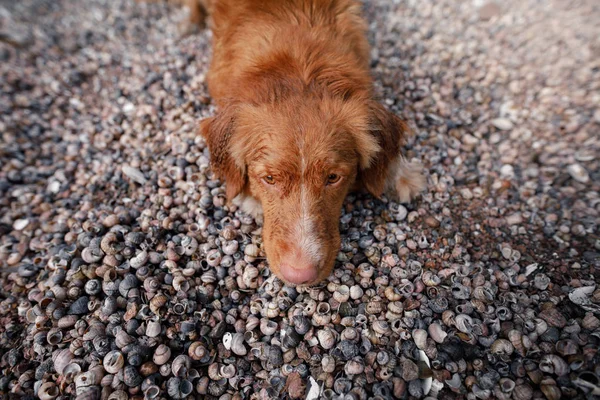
(299, 158)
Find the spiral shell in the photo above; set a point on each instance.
(162, 354)
(48, 391)
(113, 362)
(197, 351)
(327, 338)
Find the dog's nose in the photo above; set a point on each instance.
(298, 274)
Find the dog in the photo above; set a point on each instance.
(297, 126)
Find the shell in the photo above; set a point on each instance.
(181, 365)
(327, 338)
(354, 367)
(197, 351)
(153, 328)
(502, 346)
(437, 333)
(113, 362)
(328, 363)
(131, 377)
(464, 323)
(420, 338)
(48, 391)
(179, 388)
(162, 354)
(322, 315)
(54, 336)
(342, 294)
(61, 359)
(268, 327)
(553, 364)
(301, 324)
(237, 344)
(566, 347)
(381, 327)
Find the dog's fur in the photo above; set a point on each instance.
(296, 112)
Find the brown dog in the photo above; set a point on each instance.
(297, 127)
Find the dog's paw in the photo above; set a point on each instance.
(406, 181)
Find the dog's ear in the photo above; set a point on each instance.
(219, 132)
(390, 133)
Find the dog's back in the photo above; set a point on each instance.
(286, 38)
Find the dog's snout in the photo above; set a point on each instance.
(298, 272)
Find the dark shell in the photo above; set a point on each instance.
(131, 377)
(79, 306)
(179, 388)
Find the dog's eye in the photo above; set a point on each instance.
(269, 179)
(333, 178)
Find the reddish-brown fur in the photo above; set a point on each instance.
(297, 127)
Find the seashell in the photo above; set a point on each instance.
(48, 391)
(250, 275)
(252, 322)
(430, 279)
(436, 332)
(346, 310)
(290, 338)
(71, 371)
(354, 367)
(392, 293)
(410, 370)
(151, 392)
(463, 323)
(326, 338)
(157, 302)
(162, 354)
(516, 338)
(179, 388)
(342, 294)
(356, 292)
(588, 382)
(566, 347)
(61, 358)
(438, 305)
(227, 371)
(550, 390)
(484, 294)
(197, 351)
(275, 356)
(54, 337)
(522, 392)
(153, 328)
(128, 282)
(374, 307)
(237, 345)
(449, 318)
(328, 363)
(322, 315)
(113, 362)
(502, 346)
(590, 322)
(79, 306)
(92, 377)
(181, 365)
(131, 377)
(349, 334)
(381, 327)
(67, 321)
(268, 327)
(553, 364)
(122, 339)
(420, 338)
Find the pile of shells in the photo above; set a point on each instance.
(123, 274)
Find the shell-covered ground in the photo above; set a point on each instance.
(122, 273)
